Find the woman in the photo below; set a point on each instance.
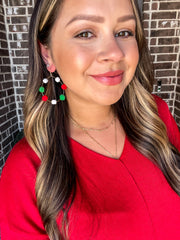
(98, 158)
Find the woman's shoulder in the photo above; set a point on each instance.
(22, 155)
(163, 110)
(161, 104)
(167, 118)
(18, 198)
(21, 165)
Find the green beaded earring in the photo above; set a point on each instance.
(43, 91)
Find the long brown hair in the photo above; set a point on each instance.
(45, 125)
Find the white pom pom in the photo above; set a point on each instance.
(45, 80)
(57, 79)
(53, 102)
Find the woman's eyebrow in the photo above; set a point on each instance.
(126, 18)
(99, 19)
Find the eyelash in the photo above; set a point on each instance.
(85, 34)
(80, 35)
(126, 34)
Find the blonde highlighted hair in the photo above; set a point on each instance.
(45, 125)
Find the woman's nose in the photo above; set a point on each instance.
(111, 49)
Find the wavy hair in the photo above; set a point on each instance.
(46, 126)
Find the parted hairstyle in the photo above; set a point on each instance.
(46, 125)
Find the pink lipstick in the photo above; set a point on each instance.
(109, 78)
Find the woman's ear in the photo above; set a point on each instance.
(46, 55)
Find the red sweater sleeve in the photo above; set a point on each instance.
(19, 216)
(166, 116)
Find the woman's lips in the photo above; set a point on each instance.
(109, 78)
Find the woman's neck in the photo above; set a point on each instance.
(91, 116)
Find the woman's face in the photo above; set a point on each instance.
(94, 49)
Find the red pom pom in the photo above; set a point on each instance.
(63, 87)
(44, 98)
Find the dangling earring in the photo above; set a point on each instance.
(43, 92)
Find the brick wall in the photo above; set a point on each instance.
(17, 14)
(162, 28)
(8, 117)
(14, 19)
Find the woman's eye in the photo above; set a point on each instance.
(85, 35)
(124, 34)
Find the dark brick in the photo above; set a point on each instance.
(178, 89)
(167, 57)
(6, 150)
(20, 60)
(4, 52)
(169, 5)
(3, 36)
(14, 120)
(20, 2)
(177, 104)
(153, 24)
(9, 100)
(10, 91)
(4, 135)
(8, 76)
(7, 141)
(6, 61)
(23, 83)
(24, 45)
(10, 36)
(154, 6)
(168, 41)
(165, 73)
(30, 10)
(177, 111)
(5, 69)
(13, 44)
(164, 95)
(20, 90)
(164, 32)
(146, 15)
(164, 15)
(7, 85)
(3, 94)
(4, 44)
(22, 53)
(11, 114)
(167, 65)
(18, 19)
(13, 128)
(12, 106)
(1, 103)
(167, 88)
(161, 50)
(2, 27)
(2, 18)
(5, 126)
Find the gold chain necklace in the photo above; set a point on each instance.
(85, 130)
(90, 129)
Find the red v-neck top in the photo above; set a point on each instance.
(123, 199)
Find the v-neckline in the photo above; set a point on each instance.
(75, 143)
